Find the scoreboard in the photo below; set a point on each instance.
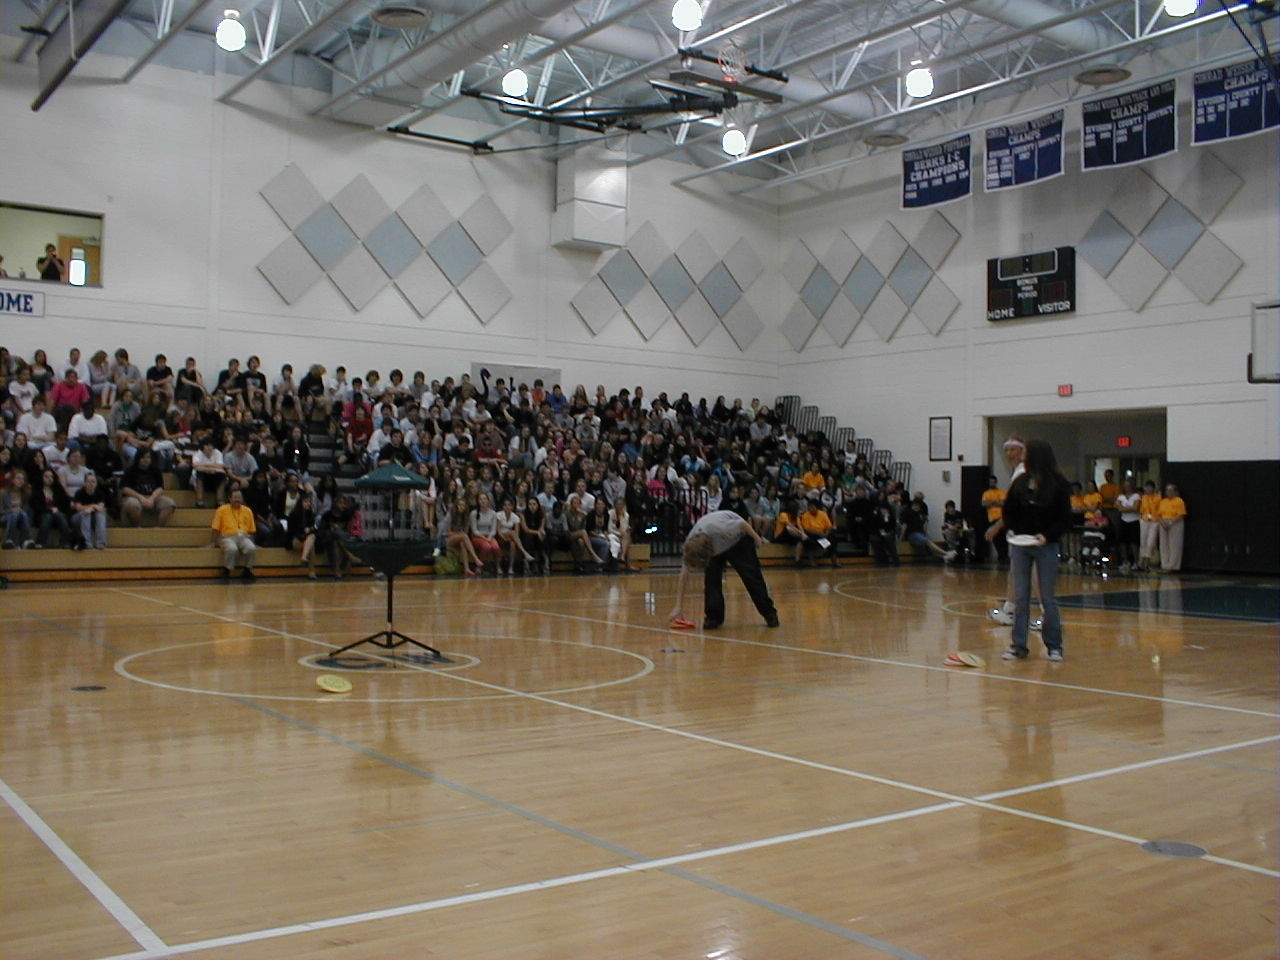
(1033, 285)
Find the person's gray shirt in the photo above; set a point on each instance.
(723, 527)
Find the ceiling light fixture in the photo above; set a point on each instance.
(1103, 74)
(919, 82)
(884, 138)
(230, 34)
(686, 15)
(734, 142)
(1181, 8)
(515, 83)
(399, 16)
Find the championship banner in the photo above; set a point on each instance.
(1129, 128)
(937, 174)
(1235, 101)
(1023, 153)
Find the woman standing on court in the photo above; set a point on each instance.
(1037, 514)
(1171, 514)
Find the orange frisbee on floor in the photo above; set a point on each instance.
(679, 623)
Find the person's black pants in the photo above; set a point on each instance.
(742, 557)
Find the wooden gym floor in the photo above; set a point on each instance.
(581, 782)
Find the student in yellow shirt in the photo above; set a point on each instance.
(233, 529)
(818, 528)
(1171, 513)
(993, 503)
(1148, 524)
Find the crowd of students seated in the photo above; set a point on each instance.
(515, 472)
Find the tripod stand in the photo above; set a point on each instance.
(390, 638)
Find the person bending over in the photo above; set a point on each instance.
(720, 538)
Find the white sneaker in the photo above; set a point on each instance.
(1037, 624)
(948, 556)
(1001, 616)
(1055, 656)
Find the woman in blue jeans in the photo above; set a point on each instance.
(1037, 514)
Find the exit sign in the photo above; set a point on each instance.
(1065, 389)
(1124, 442)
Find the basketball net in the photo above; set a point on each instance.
(733, 61)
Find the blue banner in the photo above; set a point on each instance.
(1235, 101)
(1024, 152)
(1129, 128)
(937, 174)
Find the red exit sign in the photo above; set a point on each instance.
(1065, 389)
(1124, 442)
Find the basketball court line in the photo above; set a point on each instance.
(97, 887)
(774, 645)
(950, 800)
(804, 762)
(643, 865)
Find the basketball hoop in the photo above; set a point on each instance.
(733, 61)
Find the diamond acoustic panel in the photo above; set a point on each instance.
(1136, 200)
(886, 248)
(696, 318)
(393, 246)
(697, 256)
(485, 224)
(798, 326)
(326, 236)
(1105, 243)
(841, 256)
(720, 290)
(910, 276)
(359, 243)
(935, 240)
(840, 320)
(290, 269)
(359, 277)
(423, 285)
(743, 324)
(425, 215)
(648, 248)
(819, 290)
(623, 276)
(1173, 233)
(862, 284)
(455, 253)
(798, 266)
(595, 305)
(647, 311)
(743, 263)
(292, 196)
(360, 205)
(673, 284)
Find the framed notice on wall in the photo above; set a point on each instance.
(939, 438)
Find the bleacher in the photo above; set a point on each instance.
(184, 550)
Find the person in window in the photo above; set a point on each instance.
(51, 266)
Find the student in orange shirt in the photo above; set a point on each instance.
(817, 526)
(993, 503)
(233, 529)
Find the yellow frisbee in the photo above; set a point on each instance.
(330, 683)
